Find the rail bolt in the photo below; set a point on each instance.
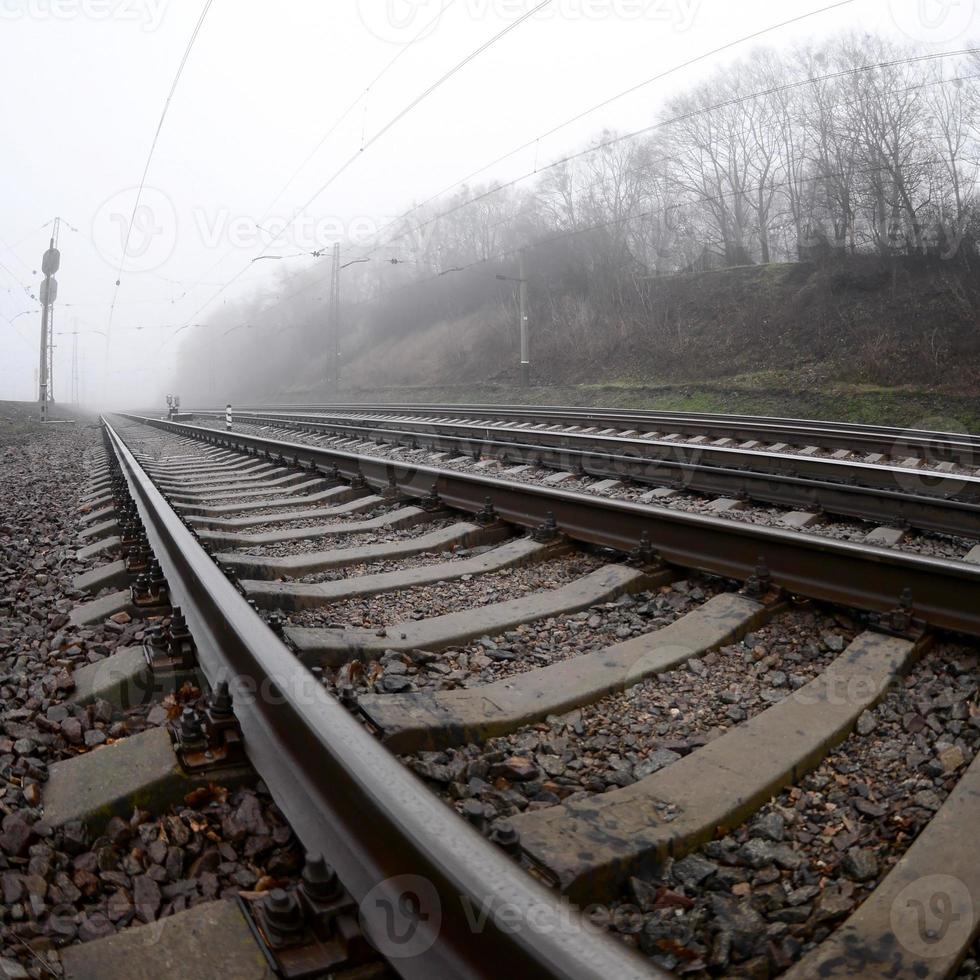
(900, 618)
(320, 882)
(140, 589)
(644, 553)
(475, 813)
(282, 915)
(547, 531)
(219, 704)
(506, 836)
(431, 501)
(191, 728)
(760, 581)
(488, 515)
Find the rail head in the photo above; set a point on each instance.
(435, 896)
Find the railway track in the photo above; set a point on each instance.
(854, 438)
(908, 494)
(623, 738)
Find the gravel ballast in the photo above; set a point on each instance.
(66, 886)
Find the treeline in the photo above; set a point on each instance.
(857, 146)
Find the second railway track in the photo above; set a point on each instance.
(650, 712)
(905, 491)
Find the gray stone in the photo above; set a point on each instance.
(834, 642)
(861, 864)
(693, 869)
(760, 853)
(771, 826)
(741, 921)
(865, 723)
(146, 897)
(654, 762)
(832, 904)
(71, 728)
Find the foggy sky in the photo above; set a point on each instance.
(84, 83)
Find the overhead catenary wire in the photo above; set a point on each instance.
(561, 235)
(613, 140)
(149, 160)
(659, 76)
(796, 83)
(730, 44)
(423, 30)
(955, 79)
(413, 104)
(625, 219)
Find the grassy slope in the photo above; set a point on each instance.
(861, 341)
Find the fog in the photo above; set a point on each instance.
(280, 120)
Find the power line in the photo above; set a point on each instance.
(662, 123)
(149, 158)
(755, 35)
(727, 103)
(384, 129)
(426, 27)
(670, 158)
(555, 129)
(13, 276)
(421, 98)
(621, 219)
(29, 344)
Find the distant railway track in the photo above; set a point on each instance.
(284, 556)
(901, 494)
(960, 448)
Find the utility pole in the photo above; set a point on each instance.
(51, 343)
(335, 319)
(50, 263)
(522, 307)
(74, 365)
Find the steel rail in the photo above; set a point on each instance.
(962, 448)
(776, 463)
(348, 798)
(856, 575)
(772, 478)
